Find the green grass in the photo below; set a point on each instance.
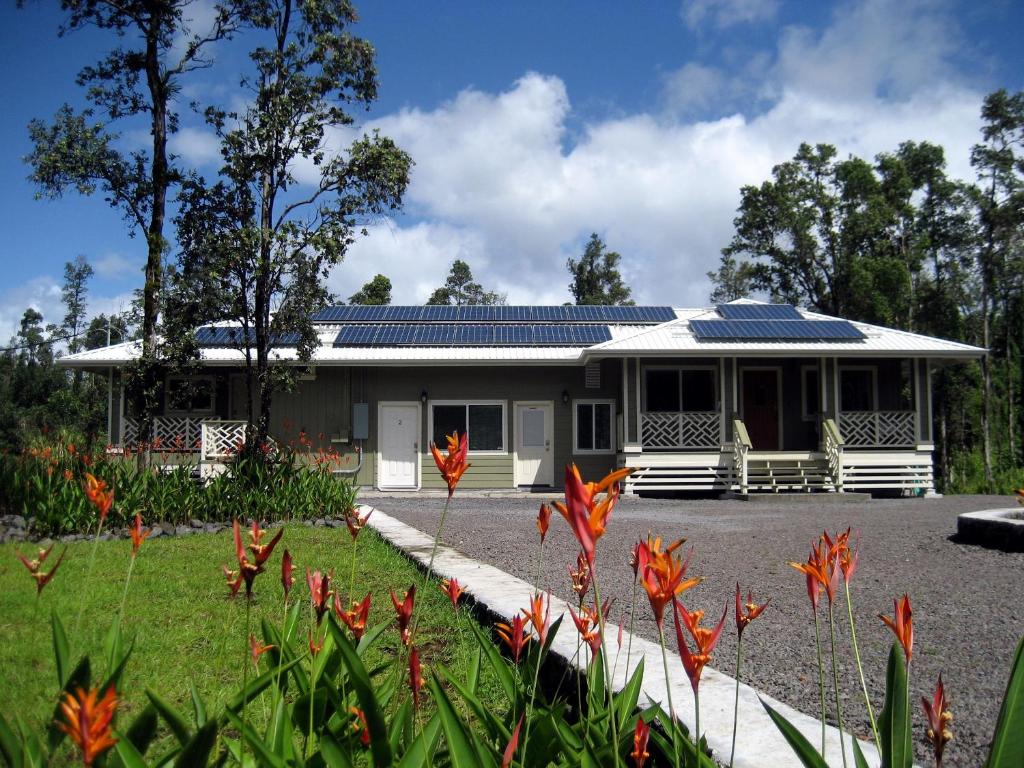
(186, 628)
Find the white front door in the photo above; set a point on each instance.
(535, 460)
(398, 453)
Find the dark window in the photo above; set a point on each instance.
(663, 390)
(812, 393)
(593, 426)
(857, 389)
(484, 424)
(448, 419)
(698, 390)
(190, 396)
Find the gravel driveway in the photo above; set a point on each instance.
(966, 599)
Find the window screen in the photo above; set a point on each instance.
(448, 419)
(698, 390)
(484, 423)
(663, 390)
(593, 426)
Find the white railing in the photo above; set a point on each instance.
(221, 439)
(878, 429)
(679, 430)
(170, 433)
(833, 444)
(741, 446)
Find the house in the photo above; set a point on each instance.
(744, 397)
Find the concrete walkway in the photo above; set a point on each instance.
(758, 743)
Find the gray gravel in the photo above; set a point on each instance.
(966, 599)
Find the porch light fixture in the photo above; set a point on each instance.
(423, 397)
(565, 397)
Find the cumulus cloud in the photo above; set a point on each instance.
(727, 13)
(196, 146)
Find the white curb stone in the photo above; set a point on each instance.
(758, 742)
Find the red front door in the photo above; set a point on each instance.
(761, 408)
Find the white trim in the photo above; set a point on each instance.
(168, 411)
(778, 397)
(804, 413)
(505, 448)
(721, 399)
(874, 386)
(625, 401)
(381, 404)
(575, 432)
(549, 428)
(928, 407)
(639, 411)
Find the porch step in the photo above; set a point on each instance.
(795, 472)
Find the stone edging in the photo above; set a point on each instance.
(758, 743)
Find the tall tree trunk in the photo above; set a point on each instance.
(986, 393)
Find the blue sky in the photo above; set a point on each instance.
(533, 124)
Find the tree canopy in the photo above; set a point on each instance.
(595, 276)
(374, 292)
(461, 289)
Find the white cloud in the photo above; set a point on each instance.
(196, 146)
(114, 266)
(727, 13)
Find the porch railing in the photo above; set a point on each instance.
(741, 446)
(878, 429)
(170, 433)
(680, 430)
(833, 445)
(221, 439)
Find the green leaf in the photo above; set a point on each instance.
(858, 755)
(626, 700)
(257, 685)
(807, 755)
(114, 678)
(174, 719)
(79, 678)
(197, 751)
(498, 731)
(424, 745)
(368, 702)
(473, 673)
(497, 662)
(1007, 749)
(198, 708)
(10, 745)
(112, 644)
(142, 731)
(61, 652)
(129, 756)
(894, 720)
(252, 740)
(458, 736)
(332, 753)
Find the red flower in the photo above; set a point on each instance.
(662, 577)
(749, 611)
(99, 495)
(640, 736)
(902, 625)
(315, 647)
(581, 577)
(939, 718)
(415, 676)
(515, 635)
(320, 592)
(355, 617)
(543, 521)
(403, 612)
(587, 516)
(257, 650)
(538, 614)
(35, 567)
(87, 720)
(250, 569)
(355, 523)
(823, 568)
(137, 534)
(589, 626)
(513, 744)
(453, 589)
(360, 726)
(287, 573)
(704, 641)
(233, 578)
(454, 465)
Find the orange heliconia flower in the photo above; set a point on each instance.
(1020, 495)
(320, 592)
(355, 523)
(453, 589)
(588, 516)
(354, 618)
(662, 576)
(35, 567)
(287, 573)
(748, 611)
(257, 650)
(403, 612)
(99, 495)
(138, 536)
(250, 569)
(315, 647)
(537, 614)
(588, 624)
(233, 579)
(581, 577)
(823, 569)
(704, 640)
(359, 725)
(415, 676)
(513, 744)
(939, 718)
(640, 736)
(87, 720)
(515, 635)
(454, 465)
(543, 521)
(902, 625)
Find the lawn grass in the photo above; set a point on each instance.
(186, 628)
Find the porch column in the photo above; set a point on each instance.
(631, 404)
(728, 397)
(923, 400)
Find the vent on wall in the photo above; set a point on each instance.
(592, 378)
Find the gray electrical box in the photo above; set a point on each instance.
(360, 421)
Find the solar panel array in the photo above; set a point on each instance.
(471, 335)
(775, 330)
(231, 336)
(759, 312)
(495, 314)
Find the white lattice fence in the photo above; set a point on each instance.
(170, 433)
(695, 429)
(221, 439)
(878, 429)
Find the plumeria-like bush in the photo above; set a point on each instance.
(322, 704)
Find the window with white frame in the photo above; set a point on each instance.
(483, 420)
(857, 389)
(810, 392)
(680, 389)
(592, 426)
(189, 395)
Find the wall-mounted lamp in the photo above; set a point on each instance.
(423, 397)
(565, 397)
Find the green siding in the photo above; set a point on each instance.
(487, 471)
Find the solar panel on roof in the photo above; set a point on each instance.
(470, 334)
(231, 336)
(495, 314)
(775, 330)
(759, 312)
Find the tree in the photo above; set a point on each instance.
(460, 289)
(375, 292)
(596, 278)
(732, 280)
(73, 293)
(139, 77)
(256, 246)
